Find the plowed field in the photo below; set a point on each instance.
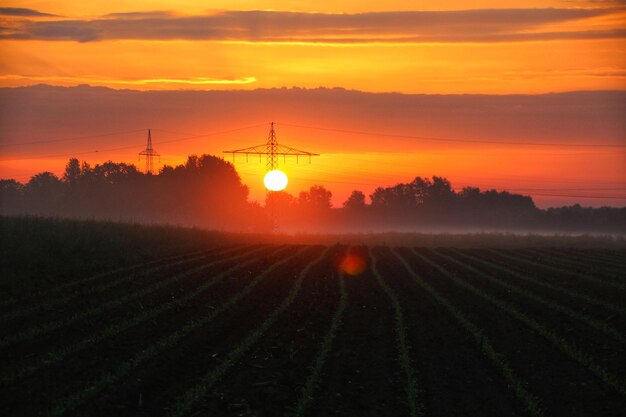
(271, 330)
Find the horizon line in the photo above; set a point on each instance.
(298, 88)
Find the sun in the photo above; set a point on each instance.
(275, 180)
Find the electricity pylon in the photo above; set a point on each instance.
(272, 150)
(149, 153)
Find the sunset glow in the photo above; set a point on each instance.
(315, 208)
(418, 61)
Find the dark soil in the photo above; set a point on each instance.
(553, 377)
(454, 376)
(362, 375)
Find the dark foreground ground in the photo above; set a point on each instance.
(201, 325)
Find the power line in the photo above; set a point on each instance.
(439, 139)
(580, 196)
(358, 132)
(72, 138)
(481, 178)
(362, 179)
(65, 155)
(566, 189)
(222, 132)
(533, 192)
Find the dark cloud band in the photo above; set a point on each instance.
(19, 11)
(497, 25)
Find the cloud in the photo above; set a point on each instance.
(578, 117)
(497, 25)
(18, 11)
(603, 2)
(139, 15)
(132, 82)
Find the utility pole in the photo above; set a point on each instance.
(149, 153)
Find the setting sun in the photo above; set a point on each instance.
(275, 180)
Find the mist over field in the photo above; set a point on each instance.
(207, 192)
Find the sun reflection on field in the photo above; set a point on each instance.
(353, 263)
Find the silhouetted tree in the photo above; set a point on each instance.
(317, 199)
(43, 193)
(207, 191)
(356, 202)
(400, 197)
(11, 194)
(313, 207)
(72, 172)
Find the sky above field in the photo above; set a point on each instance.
(496, 49)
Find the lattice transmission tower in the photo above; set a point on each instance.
(149, 154)
(272, 150)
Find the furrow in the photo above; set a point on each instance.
(596, 324)
(584, 277)
(571, 293)
(118, 270)
(31, 308)
(42, 329)
(107, 379)
(569, 349)
(607, 259)
(416, 407)
(308, 390)
(59, 355)
(517, 384)
(602, 271)
(57, 288)
(191, 397)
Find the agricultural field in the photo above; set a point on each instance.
(239, 329)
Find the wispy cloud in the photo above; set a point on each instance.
(22, 12)
(139, 15)
(196, 81)
(131, 82)
(596, 2)
(497, 25)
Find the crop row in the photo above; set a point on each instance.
(58, 287)
(617, 260)
(43, 328)
(109, 378)
(39, 307)
(191, 396)
(596, 324)
(312, 382)
(577, 295)
(488, 272)
(502, 365)
(596, 266)
(59, 355)
(569, 349)
(579, 275)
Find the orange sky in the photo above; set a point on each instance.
(413, 47)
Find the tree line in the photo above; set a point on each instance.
(207, 192)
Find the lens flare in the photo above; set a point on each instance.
(275, 180)
(353, 264)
